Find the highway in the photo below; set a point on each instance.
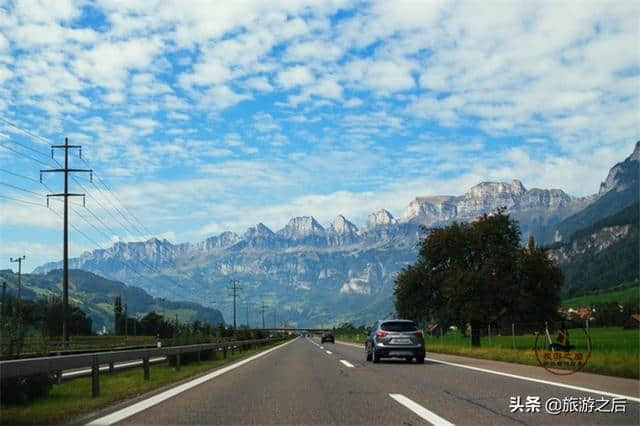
(304, 382)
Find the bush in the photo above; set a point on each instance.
(24, 389)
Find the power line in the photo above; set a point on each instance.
(19, 175)
(27, 132)
(24, 155)
(22, 189)
(22, 201)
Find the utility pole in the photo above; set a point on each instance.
(65, 245)
(125, 322)
(19, 261)
(248, 315)
(262, 310)
(234, 293)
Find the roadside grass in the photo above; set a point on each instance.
(615, 351)
(73, 398)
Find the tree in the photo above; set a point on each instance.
(477, 273)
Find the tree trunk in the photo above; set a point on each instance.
(475, 333)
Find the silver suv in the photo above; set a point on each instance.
(395, 338)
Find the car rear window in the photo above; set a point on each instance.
(399, 326)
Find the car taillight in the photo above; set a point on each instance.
(419, 334)
(381, 333)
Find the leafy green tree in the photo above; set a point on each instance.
(477, 273)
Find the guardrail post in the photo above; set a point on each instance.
(224, 352)
(198, 358)
(178, 361)
(59, 377)
(145, 367)
(110, 367)
(95, 378)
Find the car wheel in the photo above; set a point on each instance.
(376, 357)
(420, 360)
(368, 355)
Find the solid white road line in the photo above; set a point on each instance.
(429, 416)
(347, 363)
(156, 399)
(529, 379)
(321, 347)
(329, 352)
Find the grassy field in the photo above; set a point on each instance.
(615, 351)
(73, 398)
(623, 293)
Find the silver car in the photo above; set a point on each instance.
(395, 338)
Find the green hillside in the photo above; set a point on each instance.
(623, 293)
(95, 295)
(592, 270)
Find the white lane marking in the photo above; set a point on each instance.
(156, 399)
(429, 416)
(347, 363)
(329, 352)
(351, 344)
(321, 347)
(531, 379)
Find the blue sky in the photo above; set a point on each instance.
(212, 116)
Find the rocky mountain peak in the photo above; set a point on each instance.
(301, 226)
(341, 225)
(496, 189)
(260, 230)
(380, 218)
(622, 175)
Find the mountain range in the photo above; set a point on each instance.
(95, 296)
(308, 273)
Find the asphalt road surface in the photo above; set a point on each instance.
(304, 382)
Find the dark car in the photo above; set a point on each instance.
(327, 336)
(395, 338)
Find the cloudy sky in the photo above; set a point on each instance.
(204, 116)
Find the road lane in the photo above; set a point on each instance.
(465, 396)
(297, 384)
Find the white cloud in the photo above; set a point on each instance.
(295, 76)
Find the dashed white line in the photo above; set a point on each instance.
(418, 409)
(528, 379)
(329, 352)
(347, 363)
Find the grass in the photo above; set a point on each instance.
(615, 351)
(73, 398)
(623, 293)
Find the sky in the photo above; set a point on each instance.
(199, 117)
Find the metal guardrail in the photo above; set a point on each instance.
(56, 364)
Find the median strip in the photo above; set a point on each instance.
(418, 409)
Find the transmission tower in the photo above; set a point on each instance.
(233, 288)
(65, 245)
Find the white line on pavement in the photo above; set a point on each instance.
(347, 363)
(321, 347)
(329, 352)
(156, 399)
(429, 416)
(529, 379)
